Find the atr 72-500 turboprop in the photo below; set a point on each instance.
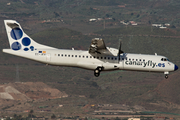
(98, 58)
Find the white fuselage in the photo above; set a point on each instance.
(83, 59)
(98, 57)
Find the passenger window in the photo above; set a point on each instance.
(104, 57)
(94, 57)
(97, 57)
(72, 55)
(79, 56)
(65, 55)
(108, 58)
(75, 55)
(68, 55)
(139, 59)
(101, 57)
(129, 59)
(143, 60)
(86, 56)
(122, 58)
(90, 56)
(83, 56)
(112, 58)
(62, 55)
(58, 54)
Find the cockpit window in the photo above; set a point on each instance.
(164, 59)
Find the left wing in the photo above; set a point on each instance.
(98, 47)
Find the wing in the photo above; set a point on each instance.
(98, 47)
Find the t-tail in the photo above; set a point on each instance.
(20, 43)
(18, 40)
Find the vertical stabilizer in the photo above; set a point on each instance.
(18, 40)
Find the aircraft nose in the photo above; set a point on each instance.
(175, 67)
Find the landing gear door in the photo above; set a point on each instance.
(48, 57)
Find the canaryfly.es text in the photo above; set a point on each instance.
(141, 63)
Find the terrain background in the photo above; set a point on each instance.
(65, 24)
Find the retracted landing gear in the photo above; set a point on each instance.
(97, 71)
(166, 74)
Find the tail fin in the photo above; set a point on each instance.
(18, 40)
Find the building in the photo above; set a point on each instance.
(167, 24)
(133, 23)
(92, 19)
(133, 118)
(156, 25)
(162, 27)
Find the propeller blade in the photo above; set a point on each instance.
(119, 52)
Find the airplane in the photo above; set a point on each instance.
(98, 58)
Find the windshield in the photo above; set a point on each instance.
(164, 59)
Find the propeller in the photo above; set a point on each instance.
(120, 51)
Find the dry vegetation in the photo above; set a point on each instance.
(120, 87)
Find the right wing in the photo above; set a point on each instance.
(98, 47)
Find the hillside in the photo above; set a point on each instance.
(167, 89)
(141, 41)
(65, 24)
(29, 91)
(165, 97)
(76, 13)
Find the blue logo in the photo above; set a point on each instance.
(26, 41)
(17, 34)
(26, 49)
(32, 48)
(16, 46)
